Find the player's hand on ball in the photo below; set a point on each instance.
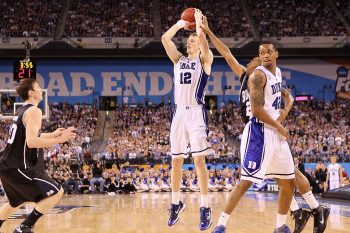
(188, 25)
(198, 14)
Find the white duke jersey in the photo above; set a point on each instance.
(272, 92)
(333, 171)
(190, 82)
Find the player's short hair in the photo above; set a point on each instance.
(268, 42)
(24, 87)
(193, 34)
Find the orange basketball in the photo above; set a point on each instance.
(188, 15)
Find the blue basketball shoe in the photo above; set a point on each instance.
(174, 212)
(205, 219)
(219, 229)
(282, 229)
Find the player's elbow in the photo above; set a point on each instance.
(31, 143)
(164, 39)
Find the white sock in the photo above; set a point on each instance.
(175, 198)
(204, 201)
(294, 205)
(311, 200)
(281, 220)
(223, 219)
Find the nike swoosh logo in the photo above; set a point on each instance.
(322, 221)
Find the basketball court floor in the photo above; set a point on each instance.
(147, 212)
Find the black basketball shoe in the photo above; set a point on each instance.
(300, 216)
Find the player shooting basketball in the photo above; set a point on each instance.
(189, 126)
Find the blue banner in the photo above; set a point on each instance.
(82, 81)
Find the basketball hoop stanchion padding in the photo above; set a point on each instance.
(18, 102)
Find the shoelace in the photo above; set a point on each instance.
(204, 215)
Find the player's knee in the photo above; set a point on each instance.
(199, 161)
(244, 184)
(177, 162)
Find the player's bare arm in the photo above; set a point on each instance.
(169, 46)
(235, 66)
(288, 104)
(54, 134)
(32, 121)
(206, 54)
(256, 84)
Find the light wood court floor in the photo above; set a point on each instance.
(147, 212)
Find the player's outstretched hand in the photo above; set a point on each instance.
(198, 15)
(68, 134)
(205, 26)
(58, 132)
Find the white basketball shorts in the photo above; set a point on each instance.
(264, 154)
(189, 131)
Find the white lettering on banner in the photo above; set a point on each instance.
(155, 87)
(109, 83)
(76, 83)
(139, 84)
(216, 83)
(233, 81)
(58, 83)
(6, 81)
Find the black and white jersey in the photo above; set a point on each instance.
(245, 108)
(17, 154)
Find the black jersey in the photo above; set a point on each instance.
(244, 98)
(17, 154)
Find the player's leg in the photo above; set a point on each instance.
(301, 216)
(252, 150)
(285, 195)
(44, 189)
(179, 142)
(282, 169)
(197, 128)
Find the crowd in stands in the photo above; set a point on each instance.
(127, 18)
(320, 130)
(226, 18)
(278, 18)
(110, 18)
(34, 18)
(344, 8)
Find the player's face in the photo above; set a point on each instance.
(252, 65)
(192, 45)
(37, 92)
(268, 55)
(333, 159)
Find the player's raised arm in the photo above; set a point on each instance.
(32, 121)
(256, 84)
(206, 54)
(167, 42)
(235, 66)
(288, 104)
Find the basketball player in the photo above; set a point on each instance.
(189, 123)
(22, 182)
(334, 174)
(301, 215)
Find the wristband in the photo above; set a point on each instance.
(181, 23)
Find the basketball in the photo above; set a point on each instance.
(188, 15)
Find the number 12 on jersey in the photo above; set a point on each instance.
(185, 78)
